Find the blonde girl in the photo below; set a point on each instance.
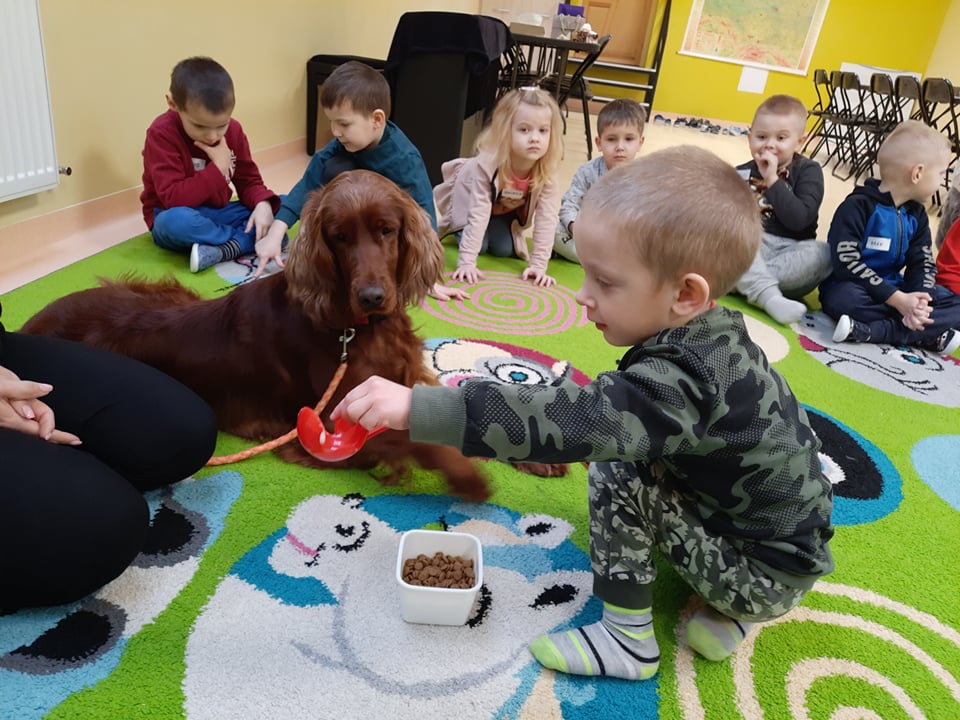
(489, 200)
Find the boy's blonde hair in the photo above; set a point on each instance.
(784, 105)
(681, 209)
(910, 143)
(622, 111)
(495, 138)
(360, 85)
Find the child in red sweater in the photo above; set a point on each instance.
(194, 157)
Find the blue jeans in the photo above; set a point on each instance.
(178, 228)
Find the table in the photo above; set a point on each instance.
(553, 56)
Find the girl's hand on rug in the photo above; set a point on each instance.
(376, 402)
(444, 293)
(470, 275)
(21, 410)
(538, 277)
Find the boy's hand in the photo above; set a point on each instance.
(767, 166)
(268, 247)
(21, 410)
(220, 155)
(445, 292)
(538, 277)
(261, 218)
(914, 307)
(376, 402)
(468, 274)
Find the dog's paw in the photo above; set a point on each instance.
(542, 469)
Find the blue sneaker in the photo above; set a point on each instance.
(204, 256)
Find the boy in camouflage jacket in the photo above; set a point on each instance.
(699, 449)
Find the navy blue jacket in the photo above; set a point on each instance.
(872, 242)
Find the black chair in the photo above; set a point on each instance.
(851, 117)
(444, 69)
(825, 129)
(939, 98)
(576, 86)
(906, 88)
(881, 117)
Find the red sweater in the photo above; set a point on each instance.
(948, 260)
(176, 173)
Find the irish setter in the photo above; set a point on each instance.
(260, 353)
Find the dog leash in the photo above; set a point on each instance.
(347, 336)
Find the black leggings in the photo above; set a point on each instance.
(73, 518)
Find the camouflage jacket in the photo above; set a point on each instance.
(698, 404)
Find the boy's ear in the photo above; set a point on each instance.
(171, 104)
(693, 295)
(596, 143)
(916, 172)
(379, 117)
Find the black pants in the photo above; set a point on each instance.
(73, 518)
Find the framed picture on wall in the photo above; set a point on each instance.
(769, 34)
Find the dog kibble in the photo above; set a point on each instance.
(439, 570)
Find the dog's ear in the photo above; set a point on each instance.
(310, 270)
(421, 260)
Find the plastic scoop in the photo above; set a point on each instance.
(345, 441)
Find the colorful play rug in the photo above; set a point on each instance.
(267, 590)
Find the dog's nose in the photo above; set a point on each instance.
(371, 297)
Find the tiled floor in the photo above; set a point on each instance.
(107, 229)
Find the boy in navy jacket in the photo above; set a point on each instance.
(883, 287)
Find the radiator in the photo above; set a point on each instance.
(28, 157)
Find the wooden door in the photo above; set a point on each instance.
(630, 22)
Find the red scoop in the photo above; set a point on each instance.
(345, 441)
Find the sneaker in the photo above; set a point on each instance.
(849, 330)
(947, 343)
(204, 256)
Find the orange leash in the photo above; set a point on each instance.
(284, 439)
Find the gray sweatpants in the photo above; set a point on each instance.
(795, 266)
(630, 517)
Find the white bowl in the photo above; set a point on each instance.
(433, 605)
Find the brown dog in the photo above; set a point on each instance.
(364, 253)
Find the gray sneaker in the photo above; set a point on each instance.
(204, 256)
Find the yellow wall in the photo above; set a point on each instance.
(109, 65)
(945, 61)
(882, 33)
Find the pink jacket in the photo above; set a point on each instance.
(464, 201)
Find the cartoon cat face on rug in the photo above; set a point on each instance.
(319, 618)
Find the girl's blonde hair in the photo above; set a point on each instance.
(495, 138)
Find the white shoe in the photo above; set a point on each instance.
(842, 331)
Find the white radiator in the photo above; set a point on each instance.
(28, 156)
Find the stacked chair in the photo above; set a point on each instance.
(851, 118)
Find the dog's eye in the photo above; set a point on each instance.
(388, 230)
(338, 237)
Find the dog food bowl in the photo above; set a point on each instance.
(437, 605)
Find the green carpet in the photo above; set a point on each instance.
(234, 612)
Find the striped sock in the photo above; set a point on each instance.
(715, 636)
(230, 250)
(621, 645)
